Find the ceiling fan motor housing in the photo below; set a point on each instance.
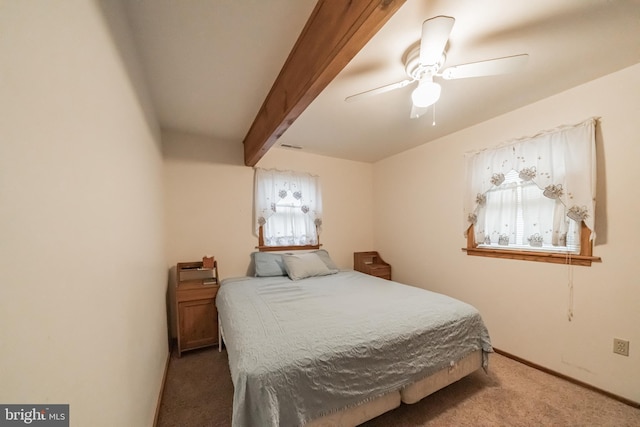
(417, 70)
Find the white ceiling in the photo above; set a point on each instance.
(210, 64)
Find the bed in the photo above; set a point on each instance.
(337, 348)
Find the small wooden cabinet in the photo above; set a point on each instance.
(197, 315)
(371, 263)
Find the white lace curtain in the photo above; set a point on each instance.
(289, 207)
(560, 163)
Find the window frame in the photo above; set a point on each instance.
(584, 258)
(274, 178)
(569, 175)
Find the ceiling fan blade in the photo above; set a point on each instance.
(379, 90)
(435, 34)
(417, 111)
(489, 67)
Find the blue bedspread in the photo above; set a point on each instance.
(301, 349)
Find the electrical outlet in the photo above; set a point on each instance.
(621, 346)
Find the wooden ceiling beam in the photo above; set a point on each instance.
(333, 35)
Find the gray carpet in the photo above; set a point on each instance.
(198, 393)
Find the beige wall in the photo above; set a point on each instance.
(82, 278)
(209, 201)
(525, 303)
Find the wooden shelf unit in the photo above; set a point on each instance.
(197, 315)
(371, 263)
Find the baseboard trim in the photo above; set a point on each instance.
(567, 378)
(164, 381)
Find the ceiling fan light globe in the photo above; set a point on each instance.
(427, 93)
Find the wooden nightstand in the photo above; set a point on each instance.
(371, 263)
(197, 315)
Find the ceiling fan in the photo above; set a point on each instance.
(425, 61)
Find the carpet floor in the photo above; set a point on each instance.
(198, 393)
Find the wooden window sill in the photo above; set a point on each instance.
(556, 258)
(585, 257)
(286, 248)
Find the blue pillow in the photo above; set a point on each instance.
(268, 264)
(324, 256)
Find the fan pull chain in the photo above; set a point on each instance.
(570, 284)
(434, 115)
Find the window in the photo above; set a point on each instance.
(513, 197)
(534, 198)
(288, 209)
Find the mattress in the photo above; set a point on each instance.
(303, 350)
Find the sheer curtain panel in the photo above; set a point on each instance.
(555, 179)
(288, 206)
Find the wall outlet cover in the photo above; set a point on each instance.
(621, 346)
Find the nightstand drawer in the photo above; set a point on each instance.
(201, 292)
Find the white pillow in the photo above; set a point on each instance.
(304, 265)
